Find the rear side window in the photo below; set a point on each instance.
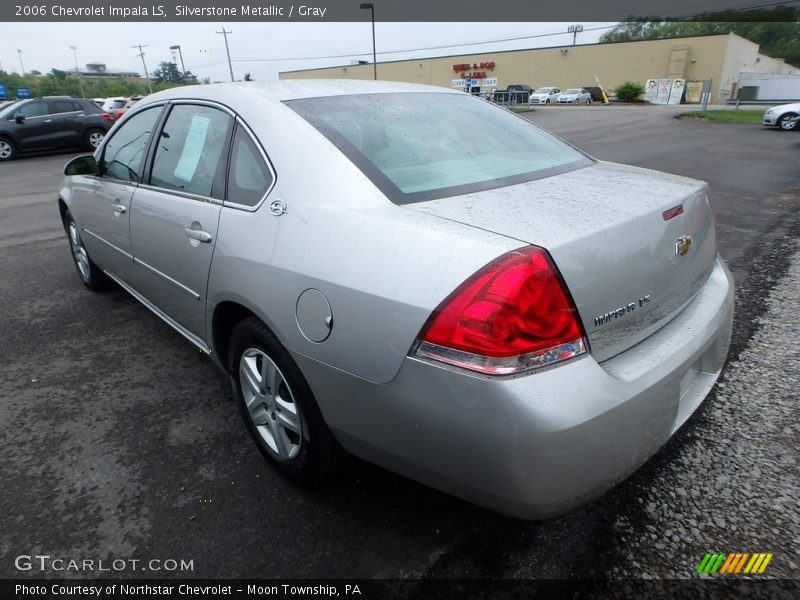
(124, 152)
(249, 177)
(65, 106)
(421, 146)
(189, 150)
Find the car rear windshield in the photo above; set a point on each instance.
(421, 146)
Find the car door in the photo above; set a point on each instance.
(32, 131)
(174, 217)
(65, 130)
(101, 204)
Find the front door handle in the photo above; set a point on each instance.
(119, 208)
(199, 235)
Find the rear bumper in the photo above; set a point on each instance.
(537, 445)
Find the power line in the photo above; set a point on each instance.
(443, 47)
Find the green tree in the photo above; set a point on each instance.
(167, 72)
(776, 30)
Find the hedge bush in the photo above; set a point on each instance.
(630, 91)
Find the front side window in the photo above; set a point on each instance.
(189, 150)
(32, 109)
(421, 146)
(249, 177)
(124, 152)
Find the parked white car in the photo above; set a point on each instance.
(545, 95)
(575, 96)
(784, 116)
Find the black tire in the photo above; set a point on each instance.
(93, 138)
(316, 452)
(7, 149)
(788, 122)
(91, 276)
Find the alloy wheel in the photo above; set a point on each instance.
(79, 252)
(6, 150)
(270, 403)
(96, 138)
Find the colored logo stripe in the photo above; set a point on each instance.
(720, 562)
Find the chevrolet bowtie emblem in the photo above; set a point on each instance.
(684, 245)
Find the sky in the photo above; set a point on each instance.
(264, 49)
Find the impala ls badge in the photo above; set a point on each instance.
(684, 245)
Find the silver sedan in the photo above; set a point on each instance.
(575, 96)
(783, 116)
(378, 279)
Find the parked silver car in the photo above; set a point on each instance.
(544, 95)
(575, 96)
(375, 277)
(783, 116)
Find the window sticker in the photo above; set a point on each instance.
(192, 148)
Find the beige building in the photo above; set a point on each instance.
(721, 58)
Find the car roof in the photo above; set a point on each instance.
(278, 91)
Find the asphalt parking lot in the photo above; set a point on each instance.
(118, 439)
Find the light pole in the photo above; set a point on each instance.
(77, 70)
(371, 7)
(183, 69)
(20, 62)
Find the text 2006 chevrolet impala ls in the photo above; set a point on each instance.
(396, 271)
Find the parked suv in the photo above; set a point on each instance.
(51, 123)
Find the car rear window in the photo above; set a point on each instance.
(421, 146)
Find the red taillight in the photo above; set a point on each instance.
(108, 117)
(513, 315)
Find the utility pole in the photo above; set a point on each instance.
(20, 62)
(146, 74)
(574, 30)
(371, 8)
(228, 52)
(77, 70)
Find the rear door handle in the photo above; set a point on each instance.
(119, 208)
(199, 235)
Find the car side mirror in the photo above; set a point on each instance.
(82, 165)
(20, 119)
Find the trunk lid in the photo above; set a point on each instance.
(604, 225)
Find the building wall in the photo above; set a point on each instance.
(718, 57)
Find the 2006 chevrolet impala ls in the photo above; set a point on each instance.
(397, 271)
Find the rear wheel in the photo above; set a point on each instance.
(278, 406)
(7, 149)
(788, 122)
(91, 276)
(93, 138)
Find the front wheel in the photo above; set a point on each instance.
(91, 276)
(788, 122)
(7, 149)
(278, 406)
(93, 138)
